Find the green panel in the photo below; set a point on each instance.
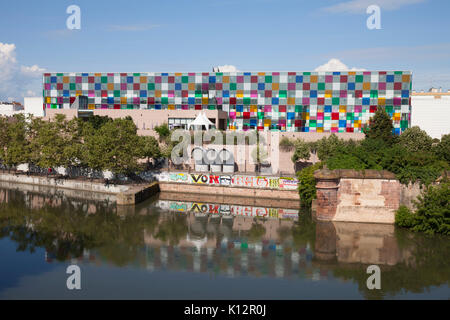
(247, 101)
(335, 101)
(104, 79)
(136, 74)
(298, 108)
(164, 100)
(321, 86)
(130, 106)
(198, 94)
(117, 93)
(374, 93)
(349, 116)
(72, 86)
(268, 79)
(398, 72)
(260, 115)
(389, 109)
(184, 79)
(232, 86)
(211, 107)
(151, 86)
(359, 78)
(312, 123)
(283, 94)
(307, 73)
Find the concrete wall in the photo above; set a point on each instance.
(357, 196)
(431, 112)
(229, 191)
(34, 106)
(63, 183)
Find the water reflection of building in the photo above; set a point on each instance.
(359, 243)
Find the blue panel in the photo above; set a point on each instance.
(143, 93)
(327, 109)
(261, 86)
(366, 101)
(405, 93)
(177, 86)
(157, 107)
(313, 93)
(390, 78)
(291, 115)
(351, 86)
(191, 100)
(98, 86)
(342, 123)
(299, 79)
(212, 79)
(239, 108)
(275, 101)
(129, 79)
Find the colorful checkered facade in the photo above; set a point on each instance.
(285, 101)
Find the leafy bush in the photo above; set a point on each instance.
(442, 149)
(415, 140)
(307, 184)
(286, 144)
(404, 217)
(302, 150)
(432, 211)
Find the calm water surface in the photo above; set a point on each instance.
(170, 249)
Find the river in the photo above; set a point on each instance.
(166, 248)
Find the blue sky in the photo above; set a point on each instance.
(195, 35)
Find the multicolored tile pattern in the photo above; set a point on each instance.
(286, 101)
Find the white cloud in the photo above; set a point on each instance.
(226, 68)
(17, 80)
(336, 65)
(360, 6)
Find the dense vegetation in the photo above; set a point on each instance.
(99, 143)
(413, 157)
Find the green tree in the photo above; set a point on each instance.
(442, 149)
(163, 132)
(149, 147)
(115, 146)
(380, 127)
(415, 140)
(15, 142)
(302, 150)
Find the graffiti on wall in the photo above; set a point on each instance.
(286, 183)
(226, 209)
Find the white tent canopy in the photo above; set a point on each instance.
(200, 121)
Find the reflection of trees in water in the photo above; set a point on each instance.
(172, 229)
(66, 229)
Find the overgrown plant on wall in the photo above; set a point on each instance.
(432, 214)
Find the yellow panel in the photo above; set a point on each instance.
(225, 79)
(261, 73)
(313, 79)
(143, 79)
(328, 93)
(366, 85)
(171, 107)
(178, 74)
(97, 74)
(275, 86)
(381, 101)
(191, 86)
(406, 78)
(291, 101)
(352, 73)
(158, 93)
(110, 86)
